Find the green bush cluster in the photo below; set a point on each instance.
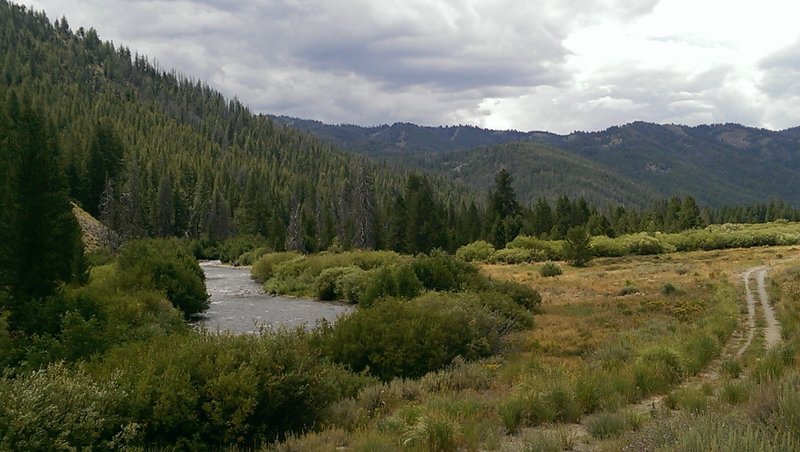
(166, 266)
(399, 338)
(57, 408)
(641, 243)
(479, 251)
(190, 391)
(296, 274)
(511, 256)
(550, 269)
(541, 250)
(440, 271)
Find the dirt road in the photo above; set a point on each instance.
(772, 328)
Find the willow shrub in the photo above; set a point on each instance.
(399, 338)
(197, 391)
(166, 266)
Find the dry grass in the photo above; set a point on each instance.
(582, 316)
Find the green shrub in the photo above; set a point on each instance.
(435, 433)
(512, 413)
(479, 251)
(252, 256)
(511, 256)
(397, 338)
(100, 256)
(520, 294)
(350, 286)
(669, 289)
(381, 283)
(166, 266)
(408, 285)
(731, 368)
(690, 399)
(628, 290)
(657, 370)
(540, 250)
(698, 350)
(442, 272)
(325, 284)
(200, 391)
(606, 424)
(57, 408)
(515, 315)
(550, 269)
(733, 393)
(264, 267)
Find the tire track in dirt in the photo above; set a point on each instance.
(751, 311)
(772, 328)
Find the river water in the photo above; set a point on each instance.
(239, 305)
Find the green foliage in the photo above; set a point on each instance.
(479, 251)
(608, 424)
(62, 409)
(577, 246)
(690, 399)
(231, 250)
(512, 413)
(436, 433)
(397, 338)
(39, 237)
(519, 293)
(669, 289)
(325, 286)
(628, 289)
(657, 369)
(166, 266)
(350, 286)
(264, 268)
(540, 250)
(550, 269)
(440, 271)
(511, 256)
(194, 391)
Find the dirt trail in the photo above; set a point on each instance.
(772, 328)
(751, 311)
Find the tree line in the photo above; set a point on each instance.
(156, 153)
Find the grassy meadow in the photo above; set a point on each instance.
(627, 351)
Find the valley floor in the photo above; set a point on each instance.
(618, 347)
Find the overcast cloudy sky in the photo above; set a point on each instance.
(554, 65)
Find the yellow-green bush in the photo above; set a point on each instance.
(479, 251)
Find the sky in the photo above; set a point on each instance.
(555, 65)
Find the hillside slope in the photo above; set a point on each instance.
(541, 171)
(153, 152)
(721, 164)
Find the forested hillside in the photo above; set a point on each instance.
(720, 164)
(153, 152)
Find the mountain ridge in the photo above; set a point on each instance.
(720, 164)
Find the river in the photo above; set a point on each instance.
(239, 305)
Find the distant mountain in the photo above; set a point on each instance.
(720, 164)
(403, 137)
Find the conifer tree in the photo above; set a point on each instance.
(105, 162)
(505, 210)
(49, 249)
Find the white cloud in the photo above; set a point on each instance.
(544, 65)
